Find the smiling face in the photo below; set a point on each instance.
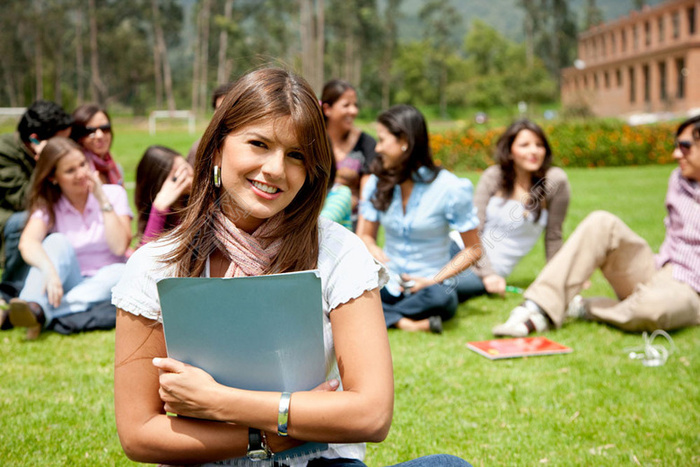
(688, 158)
(390, 147)
(528, 152)
(262, 169)
(100, 140)
(343, 111)
(71, 174)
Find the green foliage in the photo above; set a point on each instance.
(575, 143)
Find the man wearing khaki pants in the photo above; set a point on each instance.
(654, 292)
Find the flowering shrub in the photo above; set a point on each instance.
(594, 143)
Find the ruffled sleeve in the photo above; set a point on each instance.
(460, 210)
(347, 268)
(367, 209)
(136, 292)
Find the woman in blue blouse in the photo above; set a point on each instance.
(418, 204)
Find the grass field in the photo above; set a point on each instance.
(592, 407)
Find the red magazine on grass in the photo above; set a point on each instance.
(495, 349)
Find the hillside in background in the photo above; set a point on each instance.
(505, 15)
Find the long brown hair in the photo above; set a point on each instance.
(44, 193)
(268, 93)
(154, 167)
(402, 121)
(504, 158)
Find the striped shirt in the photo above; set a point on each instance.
(681, 247)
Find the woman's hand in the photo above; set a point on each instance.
(187, 390)
(378, 254)
(495, 284)
(177, 183)
(419, 283)
(95, 187)
(53, 288)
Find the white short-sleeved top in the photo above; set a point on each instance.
(347, 271)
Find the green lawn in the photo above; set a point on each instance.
(592, 407)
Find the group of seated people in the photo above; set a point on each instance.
(268, 162)
(67, 219)
(67, 222)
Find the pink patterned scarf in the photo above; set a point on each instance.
(106, 167)
(250, 254)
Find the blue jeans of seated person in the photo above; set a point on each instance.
(436, 460)
(16, 269)
(436, 300)
(467, 284)
(79, 292)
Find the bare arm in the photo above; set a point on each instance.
(367, 231)
(487, 187)
(362, 412)
(117, 227)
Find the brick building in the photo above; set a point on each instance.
(639, 64)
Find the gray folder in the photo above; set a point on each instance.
(261, 333)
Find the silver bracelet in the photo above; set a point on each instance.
(283, 414)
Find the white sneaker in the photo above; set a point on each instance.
(576, 308)
(522, 321)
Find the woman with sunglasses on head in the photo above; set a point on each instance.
(418, 204)
(92, 129)
(75, 239)
(261, 176)
(517, 199)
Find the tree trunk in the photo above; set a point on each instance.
(58, 71)
(320, 43)
(204, 56)
(306, 33)
(38, 66)
(157, 66)
(195, 65)
(161, 52)
(222, 75)
(97, 88)
(79, 57)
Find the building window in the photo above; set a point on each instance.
(680, 74)
(607, 80)
(647, 83)
(661, 28)
(663, 94)
(623, 40)
(595, 80)
(676, 22)
(585, 82)
(691, 20)
(618, 77)
(632, 83)
(635, 37)
(613, 45)
(647, 33)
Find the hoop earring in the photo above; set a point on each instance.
(217, 176)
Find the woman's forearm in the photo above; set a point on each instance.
(117, 235)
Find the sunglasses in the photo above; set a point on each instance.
(684, 146)
(91, 130)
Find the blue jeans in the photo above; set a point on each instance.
(16, 269)
(80, 292)
(468, 285)
(436, 460)
(436, 300)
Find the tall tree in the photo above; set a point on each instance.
(441, 21)
(161, 51)
(594, 15)
(312, 22)
(97, 88)
(391, 14)
(224, 69)
(79, 56)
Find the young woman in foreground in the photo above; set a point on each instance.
(261, 177)
(417, 203)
